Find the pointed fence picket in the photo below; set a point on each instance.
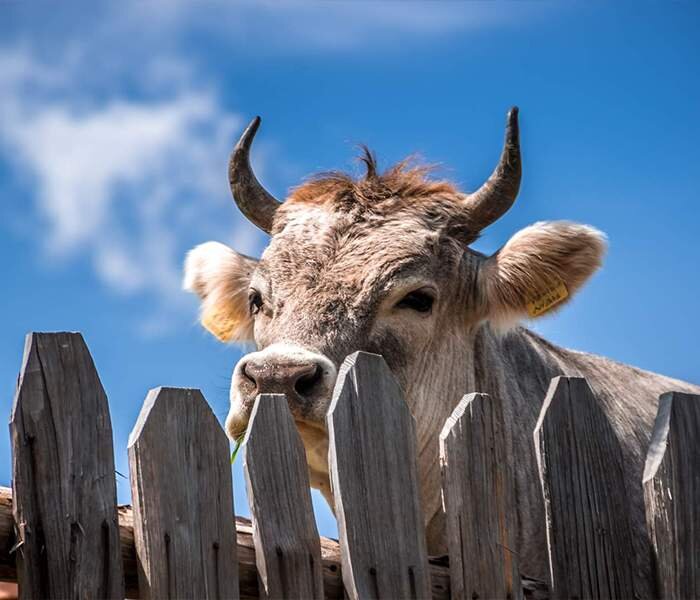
(182, 498)
(581, 470)
(61, 534)
(478, 494)
(63, 483)
(287, 545)
(672, 495)
(375, 483)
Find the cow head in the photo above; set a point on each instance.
(381, 264)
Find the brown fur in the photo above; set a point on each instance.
(403, 187)
(374, 191)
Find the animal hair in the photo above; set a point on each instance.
(379, 192)
(220, 277)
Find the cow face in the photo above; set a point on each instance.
(379, 264)
(328, 284)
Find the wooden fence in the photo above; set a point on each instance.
(62, 535)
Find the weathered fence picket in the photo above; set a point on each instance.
(478, 495)
(61, 534)
(182, 498)
(287, 546)
(672, 495)
(375, 485)
(63, 479)
(581, 471)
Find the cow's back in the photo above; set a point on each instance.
(629, 397)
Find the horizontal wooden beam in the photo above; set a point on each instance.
(247, 571)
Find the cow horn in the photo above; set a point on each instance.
(496, 196)
(255, 202)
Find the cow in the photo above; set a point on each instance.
(382, 263)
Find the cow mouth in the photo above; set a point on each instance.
(237, 425)
(237, 433)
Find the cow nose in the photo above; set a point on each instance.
(283, 377)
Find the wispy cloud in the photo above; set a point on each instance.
(263, 28)
(124, 157)
(127, 182)
(81, 157)
(302, 25)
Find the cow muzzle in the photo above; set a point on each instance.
(306, 378)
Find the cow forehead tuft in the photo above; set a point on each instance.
(403, 193)
(405, 181)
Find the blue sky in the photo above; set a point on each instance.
(116, 121)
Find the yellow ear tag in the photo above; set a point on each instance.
(554, 294)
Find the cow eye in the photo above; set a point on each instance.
(255, 302)
(419, 301)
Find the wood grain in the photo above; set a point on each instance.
(182, 495)
(672, 495)
(287, 545)
(478, 496)
(247, 571)
(63, 477)
(375, 486)
(581, 470)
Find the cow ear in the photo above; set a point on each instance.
(538, 270)
(221, 278)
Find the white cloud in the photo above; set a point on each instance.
(301, 25)
(125, 156)
(81, 158)
(128, 183)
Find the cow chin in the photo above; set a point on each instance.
(313, 433)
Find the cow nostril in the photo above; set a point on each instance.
(249, 374)
(306, 383)
(279, 377)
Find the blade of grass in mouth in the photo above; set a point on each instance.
(239, 441)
